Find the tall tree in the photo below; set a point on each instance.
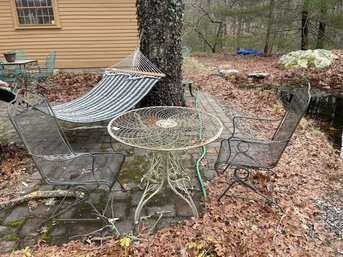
(322, 25)
(267, 47)
(304, 30)
(160, 25)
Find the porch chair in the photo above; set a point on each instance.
(252, 151)
(185, 51)
(42, 72)
(57, 163)
(8, 75)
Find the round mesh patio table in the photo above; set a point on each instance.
(167, 131)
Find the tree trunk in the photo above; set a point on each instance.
(160, 24)
(267, 48)
(321, 35)
(322, 25)
(304, 30)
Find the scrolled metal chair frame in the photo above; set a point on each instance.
(249, 152)
(53, 156)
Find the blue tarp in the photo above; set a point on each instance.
(244, 51)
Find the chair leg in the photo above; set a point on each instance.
(81, 193)
(227, 189)
(241, 179)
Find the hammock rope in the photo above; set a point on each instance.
(137, 63)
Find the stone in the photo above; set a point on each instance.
(31, 228)
(209, 174)
(136, 197)
(168, 210)
(7, 246)
(46, 187)
(183, 210)
(119, 210)
(258, 74)
(318, 58)
(4, 230)
(4, 212)
(28, 241)
(120, 195)
(168, 222)
(17, 214)
(84, 228)
(58, 230)
(125, 227)
(43, 211)
(95, 198)
(229, 72)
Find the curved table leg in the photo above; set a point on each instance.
(165, 166)
(178, 179)
(154, 179)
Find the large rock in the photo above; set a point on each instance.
(318, 58)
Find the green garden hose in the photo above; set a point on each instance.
(204, 151)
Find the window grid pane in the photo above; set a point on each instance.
(34, 11)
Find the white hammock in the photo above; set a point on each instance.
(120, 89)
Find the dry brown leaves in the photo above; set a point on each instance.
(64, 87)
(329, 78)
(308, 171)
(15, 164)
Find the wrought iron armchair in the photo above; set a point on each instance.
(185, 51)
(252, 151)
(53, 156)
(8, 75)
(48, 70)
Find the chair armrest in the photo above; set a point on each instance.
(256, 141)
(62, 157)
(255, 118)
(69, 157)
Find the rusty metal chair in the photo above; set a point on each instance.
(245, 152)
(53, 156)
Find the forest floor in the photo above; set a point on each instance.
(309, 182)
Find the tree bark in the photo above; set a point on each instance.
(267, 47)
(160, 23)
(321, 35)
(36, 195)
(304, 30)
(322, 25)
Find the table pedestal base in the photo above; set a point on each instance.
(165, 167)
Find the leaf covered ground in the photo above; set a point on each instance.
(309, 173)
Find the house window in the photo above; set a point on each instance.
(32, 13)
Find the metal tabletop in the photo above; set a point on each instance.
(18, 62)
(165, 128)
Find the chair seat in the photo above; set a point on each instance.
(76, 169)
(240, 153)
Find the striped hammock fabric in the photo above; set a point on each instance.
(115, 93)
(120, 89)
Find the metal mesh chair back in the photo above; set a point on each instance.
(185, 51)
(36, 125)
(50, 62)
(295, 111)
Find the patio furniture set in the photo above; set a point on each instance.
(166, 132)
(18, 66)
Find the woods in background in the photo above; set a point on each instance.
(272, 26)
